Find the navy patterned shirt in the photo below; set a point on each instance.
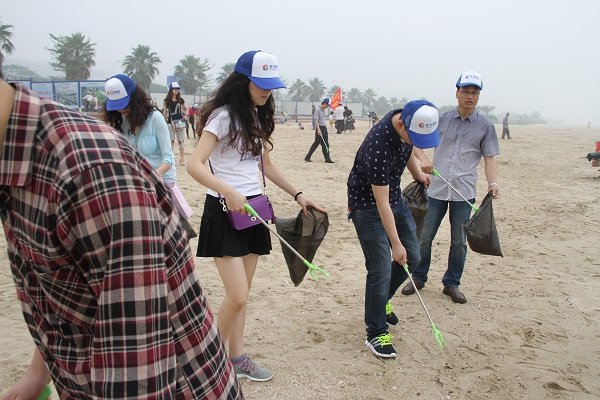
(380, 161)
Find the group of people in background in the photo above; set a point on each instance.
(100, 252)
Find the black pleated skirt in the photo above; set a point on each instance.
(218, 239)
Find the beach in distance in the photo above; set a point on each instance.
(531, 326)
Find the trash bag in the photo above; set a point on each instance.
(481, 230)
(415, 195)
(305, 234)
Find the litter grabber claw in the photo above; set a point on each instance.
(313, 270)
(434, 329)
(473, 206)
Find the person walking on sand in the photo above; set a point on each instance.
(505, 131)
(465, 137)
(339, 119)
(384, 224)
(237, 124)
(321, 134)
(102, 268)
(174, 111)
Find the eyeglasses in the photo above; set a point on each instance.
(469, 92)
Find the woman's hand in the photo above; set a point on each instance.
(306, 203)
(235, 201)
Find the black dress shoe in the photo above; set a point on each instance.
(307, 159)
(454, 294)
(410, 289)
(330, 161)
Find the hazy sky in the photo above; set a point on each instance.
(533, 54)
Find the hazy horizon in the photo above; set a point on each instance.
(533, 55)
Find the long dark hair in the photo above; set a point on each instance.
(245, 125)
(169, 97)
(140, 106)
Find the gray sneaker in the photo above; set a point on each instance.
(248, 369)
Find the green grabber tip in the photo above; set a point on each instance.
(312, 269)
(438, 335)
(46, 392)
(473, 206)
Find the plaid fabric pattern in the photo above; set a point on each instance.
(103, 271)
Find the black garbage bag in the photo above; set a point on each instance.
(305, 234)
(415, 195)
(481, 230)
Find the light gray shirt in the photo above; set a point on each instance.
(463, 142)
(320, 116)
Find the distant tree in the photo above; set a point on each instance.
(316, 89)
(140, 65)
(298, 90)
(369, 97)
(527, 119)
(191, 73)
(403, 102)
(19, 72)
(74, 55)
(226, 70)
(6, 46)
(381, 105)
(487, 112)
(353, 96)
(331, 91)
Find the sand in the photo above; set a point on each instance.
(530, 329)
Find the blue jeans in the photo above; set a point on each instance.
(460, 212)
(383, 276)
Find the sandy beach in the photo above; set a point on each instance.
(530, 329)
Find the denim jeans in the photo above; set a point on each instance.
(460, 211)
(383, 276)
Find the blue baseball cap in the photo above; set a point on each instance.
(261, 68)
(118, 89)
(325, 100)
(470, 78)
(421, 119)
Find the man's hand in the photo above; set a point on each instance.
(495, 189)
(399, 254)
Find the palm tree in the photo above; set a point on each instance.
(316, 89)
(487, 111)
(226, 70)
(369, 96)
(6, 45)
(140, 65)
(353, 96)
(381, 105)
(74, 55)
(191, 74)
(298, 90)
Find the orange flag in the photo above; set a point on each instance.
(336, 99)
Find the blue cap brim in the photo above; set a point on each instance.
(268, 83)
(424, 141)
(116, 105)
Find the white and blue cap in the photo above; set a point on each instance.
(261, 68)
(421, 119)
(470, 78)
(118, 89)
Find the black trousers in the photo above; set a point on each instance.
(320, 140)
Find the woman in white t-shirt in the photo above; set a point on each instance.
(236, 126)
